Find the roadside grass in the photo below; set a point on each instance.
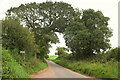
(96, 69)
(52, 57)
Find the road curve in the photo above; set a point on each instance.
(56, 71)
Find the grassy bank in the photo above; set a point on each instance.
(96, 69)
(13, 66)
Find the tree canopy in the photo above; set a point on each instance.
(85, 31)
(89, 34)
(51, 16)
(44, 19)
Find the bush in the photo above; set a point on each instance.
(15, 67)
(31, 64)
(11, 69)
(34, 65)
(113, 54)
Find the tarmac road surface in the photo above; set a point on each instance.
(56, 71)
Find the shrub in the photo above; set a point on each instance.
(30, 65)
(113, 54)
(11, 69)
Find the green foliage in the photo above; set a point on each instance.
(61, 52)
(89, 34)
(50, 16)
(113, 54)
(10, 68)
(44, 19)
(14, 65)
(99, 70)
(52, 57)
(17, 36)
(34, 65)
(98, 65)
(31, 64)
(85, 33)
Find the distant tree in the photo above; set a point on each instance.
(61, 51)
(88, 34)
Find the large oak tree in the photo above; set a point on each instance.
(44, 19)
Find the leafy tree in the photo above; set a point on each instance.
(44, 42)
(44, 19)
(17, 36)
(61, 51)
(88, 34)
(47, 16)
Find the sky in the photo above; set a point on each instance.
(108, 7)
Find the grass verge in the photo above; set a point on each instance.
(98, 70)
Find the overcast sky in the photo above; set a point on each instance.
(108, 7)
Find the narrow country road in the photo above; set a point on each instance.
(56, 71)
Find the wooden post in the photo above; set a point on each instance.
(23, 53)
